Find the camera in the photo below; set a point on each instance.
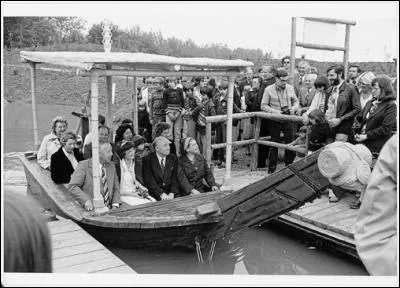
(285, 110)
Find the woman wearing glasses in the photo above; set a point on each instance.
(377, 120)
(364, 84)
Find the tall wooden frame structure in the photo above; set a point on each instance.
(295, 43)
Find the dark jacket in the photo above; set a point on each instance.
(348, 106)
(380, 123)
(191, 175)
(61, 168)
(320, 135)
(251, 100)
(158, 182)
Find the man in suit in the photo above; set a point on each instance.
(342, 103)
(65, 160)
(104, 133)
(160, 171)
(307, 93)
(81, 183)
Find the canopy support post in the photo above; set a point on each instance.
(36, 142)
(293, 51)
(98, 202)
(109, 102)
(135, 107)
(346, 52)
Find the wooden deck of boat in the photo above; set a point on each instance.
(332, 223)
(75, 251)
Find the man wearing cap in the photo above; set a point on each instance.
(280, 98)
(160, 171)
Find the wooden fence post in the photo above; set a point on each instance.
(254, 153)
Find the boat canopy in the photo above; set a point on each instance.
(132, 61)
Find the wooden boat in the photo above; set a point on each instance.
(179, 222)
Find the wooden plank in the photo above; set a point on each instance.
(95, 266)
(71, 227)
(117, 270)
(320, 46)
(254, 153)
(81, 258)
(77, 249)
(320, 230)
(70, 242)
(330, 20)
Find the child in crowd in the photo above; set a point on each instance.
(142, 150)
(157, 105)
(207, 109)
(144, 121)
(189, 123)
(175, 103)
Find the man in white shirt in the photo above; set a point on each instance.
(88, 138)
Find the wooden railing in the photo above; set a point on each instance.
(257, 140)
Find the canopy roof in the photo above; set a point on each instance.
(131, 61)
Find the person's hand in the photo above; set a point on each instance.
(151, 122)
(214, 188)
(299, 112)
(360, 137)
(305, 120)
(194, 192)
(88, 205)
(334, 122)
(115, 205)
(164, 196)
(171, 196)
(293, 110)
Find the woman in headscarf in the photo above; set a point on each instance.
(192, 169)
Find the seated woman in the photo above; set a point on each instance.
(378, 118)
(192, 169)
(65, 160)
(132, 191)
(51, 142)
(123, 134)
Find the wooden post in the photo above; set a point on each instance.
(109, 118)
(98, 201)
(36, 141)
(135, 107)
(346, 52)
(207, 146)
(293, 51)
(228, 156)
(254, 154)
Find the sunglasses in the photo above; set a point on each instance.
(286, 62)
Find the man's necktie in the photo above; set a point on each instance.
(162, 164)
(104, 191)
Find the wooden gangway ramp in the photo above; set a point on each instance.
(329, 224)
(75, 251)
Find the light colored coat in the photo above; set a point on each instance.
(272, 103)
(48, 147)
(81, 183)
(376, 225)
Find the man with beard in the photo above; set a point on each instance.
(342, 103)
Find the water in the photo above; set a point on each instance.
(255, 251)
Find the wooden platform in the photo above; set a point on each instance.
(75, 251)
(331, 223)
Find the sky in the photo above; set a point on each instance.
(263, 25)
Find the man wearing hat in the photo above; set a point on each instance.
(160, 171)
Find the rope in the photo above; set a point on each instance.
(198, 250)
(211, 254)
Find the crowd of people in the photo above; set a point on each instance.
(163, 159)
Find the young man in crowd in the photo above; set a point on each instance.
(342, 103)
(354, 73)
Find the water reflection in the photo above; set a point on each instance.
(257, 251)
